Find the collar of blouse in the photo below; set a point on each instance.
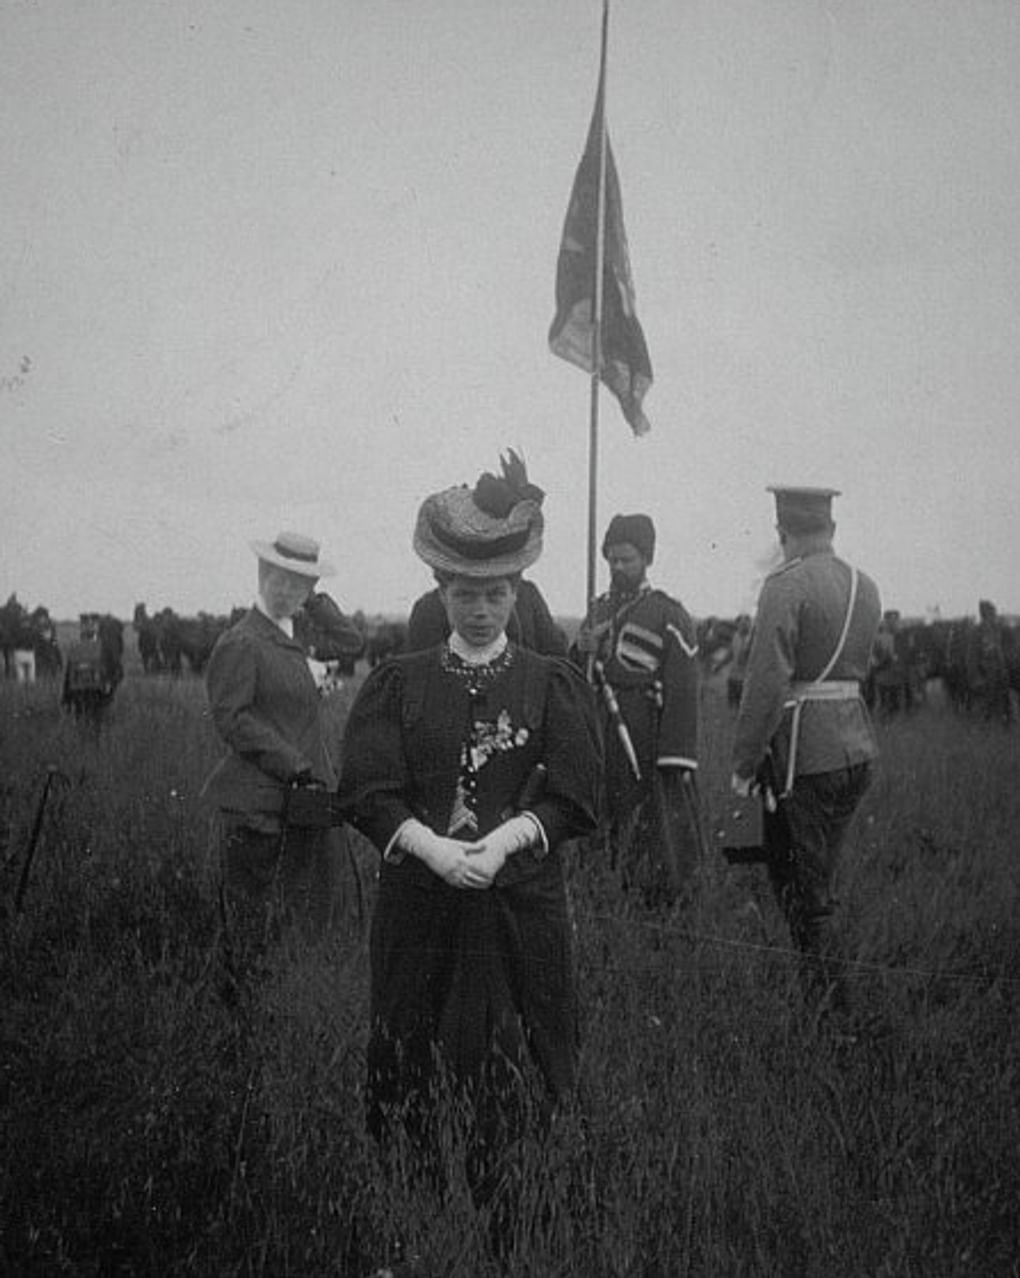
(477, 656)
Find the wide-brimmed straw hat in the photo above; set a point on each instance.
(491, 530)
(294, 552)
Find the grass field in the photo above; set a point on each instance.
(147, 1129)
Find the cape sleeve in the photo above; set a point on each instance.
(569, 805)
(231, 684)
(374, 778)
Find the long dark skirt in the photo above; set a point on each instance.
(280, 893)
(473, 989)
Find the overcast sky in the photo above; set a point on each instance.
(271, 266)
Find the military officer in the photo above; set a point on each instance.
(640, 649)
(987, 665)
(802, 727)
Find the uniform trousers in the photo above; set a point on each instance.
(803, 840)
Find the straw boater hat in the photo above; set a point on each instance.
(294, 552)
(491, 530)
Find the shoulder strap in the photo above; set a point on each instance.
(830, 665)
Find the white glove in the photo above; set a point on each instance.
(512, 836)
(446, 858)
(489, 855)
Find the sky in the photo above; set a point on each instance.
(270, 266)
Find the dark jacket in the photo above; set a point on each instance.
(267, 709)
(403, 739)
(649, 649)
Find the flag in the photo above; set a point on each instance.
(626, 367)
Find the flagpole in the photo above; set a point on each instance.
(600, 232)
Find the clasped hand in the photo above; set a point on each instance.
(468, 865)
(464, 865)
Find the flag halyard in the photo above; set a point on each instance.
(626, 366)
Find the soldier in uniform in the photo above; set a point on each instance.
(94, 667)
(893, 669)
(803, 729)
(987, 668)
(640, 649)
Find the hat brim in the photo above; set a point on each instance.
(440, 560)
(268, 553)
(456, 507)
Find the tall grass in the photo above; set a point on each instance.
(149, 1128)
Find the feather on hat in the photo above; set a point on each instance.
(491, 530)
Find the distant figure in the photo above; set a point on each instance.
(641, 652)
(24, 665)
(277, 876)
(94, 667)
(28, 642)
(987, 665)
(740, 649)
(147, 632)
(890, 667)
(803, 731)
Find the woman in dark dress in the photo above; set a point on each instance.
(468, 765)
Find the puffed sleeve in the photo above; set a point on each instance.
(569, 805)
(231, 683)
(374, 779)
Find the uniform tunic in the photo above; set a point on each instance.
(796, 630)
(799, 621)
(648, 647)
(484, 976)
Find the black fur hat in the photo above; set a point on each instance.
(637, 530)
